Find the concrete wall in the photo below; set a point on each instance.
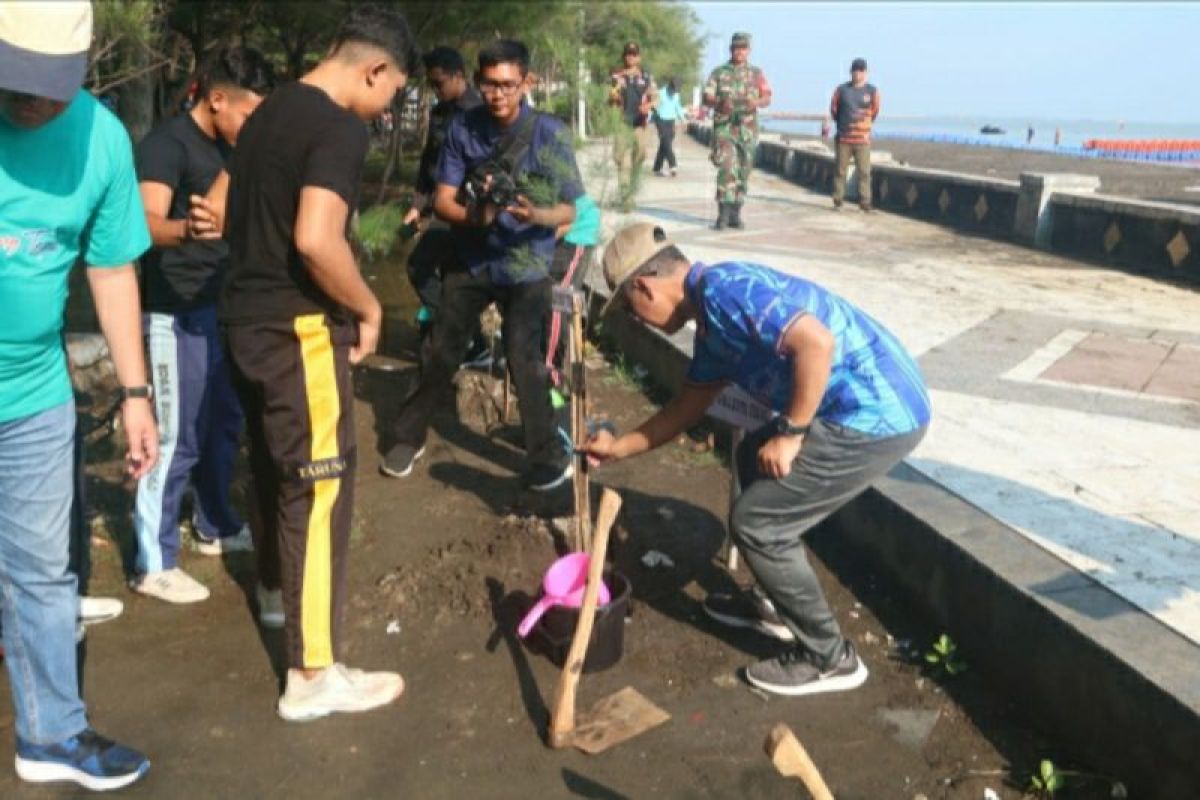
(1153, 239)
(1058, 212)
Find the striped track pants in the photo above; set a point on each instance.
(293, 378)
(199, 422)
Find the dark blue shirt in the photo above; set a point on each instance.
(509, 251)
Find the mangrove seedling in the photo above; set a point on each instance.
(1047, 780)
(944, 656)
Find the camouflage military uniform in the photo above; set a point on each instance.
(733, 91)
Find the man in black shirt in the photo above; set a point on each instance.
(446, 73)
(297, 314)
(199, 417)
(633, 91)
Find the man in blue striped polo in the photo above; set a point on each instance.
(849, 404)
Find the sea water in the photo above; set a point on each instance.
(1073, 132)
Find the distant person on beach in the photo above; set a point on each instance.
(735, 91)
(667, 114)
(849, 402)
(1029, 135)
(633, 92)
(1057, 136)
(854, 107)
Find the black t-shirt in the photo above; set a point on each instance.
(178, 154)
(632, 92)
(298, 137)
(440, 118)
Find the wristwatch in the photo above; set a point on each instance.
(784, 427)
(145, 391)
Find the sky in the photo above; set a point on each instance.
(1097, 61)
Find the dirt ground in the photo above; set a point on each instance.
(1167, 183)
(443, 563)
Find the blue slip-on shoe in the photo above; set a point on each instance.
(87, 758)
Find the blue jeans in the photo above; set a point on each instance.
(38, 602)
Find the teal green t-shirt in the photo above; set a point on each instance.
(68, 191)
(585, 230)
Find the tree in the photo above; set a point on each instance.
(126, 53)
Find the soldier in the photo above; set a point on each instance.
(735, 91)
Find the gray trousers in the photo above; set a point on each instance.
(771, 516)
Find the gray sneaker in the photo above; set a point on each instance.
(749, 609)
(399, 461)
(794, 674)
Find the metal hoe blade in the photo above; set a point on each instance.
(620, 716)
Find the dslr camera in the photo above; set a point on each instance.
(502, 192)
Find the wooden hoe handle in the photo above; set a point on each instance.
(791, 759)
(562, 720)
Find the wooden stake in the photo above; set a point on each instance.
(579, 414)
(504, 413)
(735, 489)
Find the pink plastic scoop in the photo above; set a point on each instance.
(562, 585)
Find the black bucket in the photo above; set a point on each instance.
(552, 634)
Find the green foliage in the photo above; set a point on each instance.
(166, 39)
(555, 169)
(944, 656)
(1047, 780)
(378, 229)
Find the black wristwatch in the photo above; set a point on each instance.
(784, 427)
(145, 391)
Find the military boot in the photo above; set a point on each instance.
(735, 216)
(722, 216)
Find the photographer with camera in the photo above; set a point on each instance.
(506, 178)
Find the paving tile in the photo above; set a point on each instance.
(1110, 361)
(1178, 375)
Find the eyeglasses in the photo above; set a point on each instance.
(500, 87)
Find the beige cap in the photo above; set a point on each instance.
(44, 46)
(632, 247)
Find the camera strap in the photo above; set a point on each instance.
(511, 148)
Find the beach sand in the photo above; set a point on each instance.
(1160, 182)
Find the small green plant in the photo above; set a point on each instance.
(1047, 780)
(944, 656)
(378, 228)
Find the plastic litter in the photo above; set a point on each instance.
(655, 558)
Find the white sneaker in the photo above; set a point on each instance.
(171, 585)
(94, 610)
(337, 689)
(240, 542)
(270, 607)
